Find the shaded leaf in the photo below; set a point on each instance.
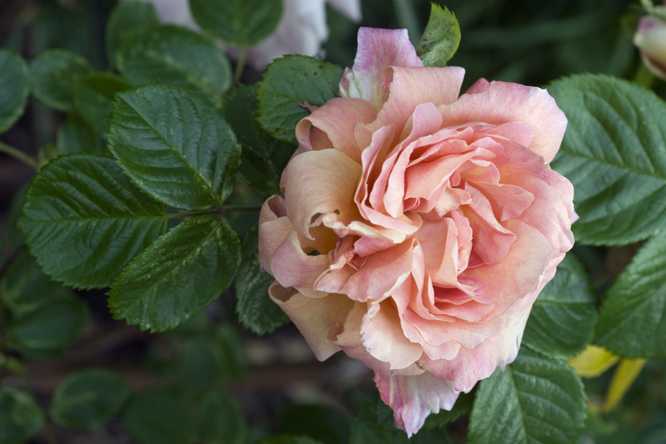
(84, 220)
(125, 18)
(174, 145)
(15, 81)
(50, 328)
(263, 158)
(53, 74)
(155, 417)
(632, 321)
(25, 288)
(75, 136)
(220, 419)
(289, 83)
(93, 97)
(536, 399)
(171, 54)
(613, 154)
(562, 320)
(255, 309)
(20, 416)
(89, 398)
(240, 23)
(181, 273)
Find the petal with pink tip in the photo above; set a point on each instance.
(413, 398)
(504, 102)
(313, 317)
(472, 365)
(318, 182)
(377, 50)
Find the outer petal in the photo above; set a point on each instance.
(337, 120)
(318, 182)
(504, 102)
(313, 317)
(472, 365)
(413, 398)
(377, 50)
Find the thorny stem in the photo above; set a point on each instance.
(20, 155)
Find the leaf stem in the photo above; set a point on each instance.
(240, 63)
(20, 155)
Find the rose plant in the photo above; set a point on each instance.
(418, 225)
(650, 39)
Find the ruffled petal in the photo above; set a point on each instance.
(413, 398)
(504, 102)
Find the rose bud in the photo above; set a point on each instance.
(650, 39)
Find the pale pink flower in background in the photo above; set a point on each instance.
(650, 39)
(302, 28)
(418, 225)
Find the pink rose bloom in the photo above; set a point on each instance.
(418, 225)
(301, 30)
(650, 39)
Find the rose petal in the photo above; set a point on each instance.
(318, 182)
(504, 102)
(377, 50)
(413, 398)
(313, 317)
(337, 120)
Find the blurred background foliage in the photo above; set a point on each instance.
(181, 380)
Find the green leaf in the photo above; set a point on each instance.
(613, 154)
(263, 158)
(375, 425)
(152, 418)
(76, 137)
(289, 83)
(53, 75)
(171, 54)
(535, 400)
(50, 328)
(84, 221)
(220, 419)
(175, 146)
(15, 81)
(208, 361)
(240, 23)
(20, 416)
(93, 97)
(324, 423)
(255, 309)
(431, 436)
(632, 322)
(563, 316)
(440, 39)
(89, 398)
(125, 18)
(25, 288)
(181, 273)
